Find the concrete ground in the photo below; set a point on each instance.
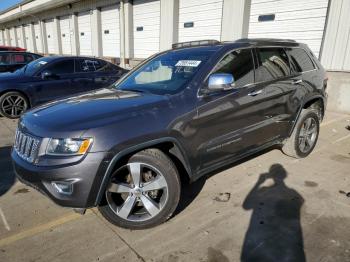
(267, 208)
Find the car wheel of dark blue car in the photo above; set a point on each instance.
(13, 105)
(142, 193)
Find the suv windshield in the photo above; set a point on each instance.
(167, 73)
(31, 68)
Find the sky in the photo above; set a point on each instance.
(7, 3)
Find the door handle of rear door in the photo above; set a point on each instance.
(255, 93)
(295, 82)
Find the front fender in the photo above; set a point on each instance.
(178, 152)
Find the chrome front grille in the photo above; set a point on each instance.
(26, 146)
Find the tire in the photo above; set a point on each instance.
(13, 105)
(154, 166)
(294, 146)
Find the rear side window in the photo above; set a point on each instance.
(87, 65)
(107, 67)
(18, 59)
(299, 60)
(240, 64)
(63, 67)
(21, 58)
(5, 59)
(272, 64)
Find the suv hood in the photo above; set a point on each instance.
(89, 110)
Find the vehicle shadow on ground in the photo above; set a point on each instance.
(190, 191)
(274, 232)
(7, 176)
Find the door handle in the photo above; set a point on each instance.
(295, 82)
(255, 93)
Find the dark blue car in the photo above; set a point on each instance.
(51, 78)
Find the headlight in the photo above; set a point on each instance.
(68, 146)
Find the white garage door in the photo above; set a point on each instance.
(19, 36)
(49, 26)
(13, 37)
(300, 20)
(66, 38)
(110, 31)
(84, 28)
(38, 38)
(29, 38)
(200, 20)
(2, 42)
(146, 18)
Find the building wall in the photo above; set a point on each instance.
(336, 47)
(181, 20)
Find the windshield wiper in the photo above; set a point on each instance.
(134, 90)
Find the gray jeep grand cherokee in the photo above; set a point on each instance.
(183, 112)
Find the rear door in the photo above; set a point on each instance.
(305, 75)
(84, 77)
(273, 76)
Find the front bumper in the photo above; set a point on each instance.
(85, 177)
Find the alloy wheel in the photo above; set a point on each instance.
(308, 134)
(137, 192)
(14, 106)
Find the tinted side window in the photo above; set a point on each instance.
(29, 58)
(299, 60)
(5, 59)
(87, 65)
(108, 68)
(240, 64)
(63, 67)
(273, 64)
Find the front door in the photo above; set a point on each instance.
(58, 84)
(228, 122)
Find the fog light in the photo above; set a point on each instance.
(63, 187)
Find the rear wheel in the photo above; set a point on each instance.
(142, 193)
(13, 105)
(304, 137)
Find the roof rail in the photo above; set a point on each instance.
(265, 40)
(195, 43)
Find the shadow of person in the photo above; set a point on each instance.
(274, 232)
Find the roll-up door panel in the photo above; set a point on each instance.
(38, 38)
(84, 28)
(301, 20)
(66, 35)
(200, 20)
(28, 38)
(146, 18)
(110, 31)
(49, 25)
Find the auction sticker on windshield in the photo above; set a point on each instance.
(192, 63)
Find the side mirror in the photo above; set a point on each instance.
(47, 75)
(221, 81)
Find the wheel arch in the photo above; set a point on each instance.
(314, 101)
(2, 92)
(170, 146)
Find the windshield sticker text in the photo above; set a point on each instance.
(192, 63)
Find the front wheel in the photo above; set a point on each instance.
(13, 105)
(142, 193)
(304, 137)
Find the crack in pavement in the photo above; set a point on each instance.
(110, 226)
